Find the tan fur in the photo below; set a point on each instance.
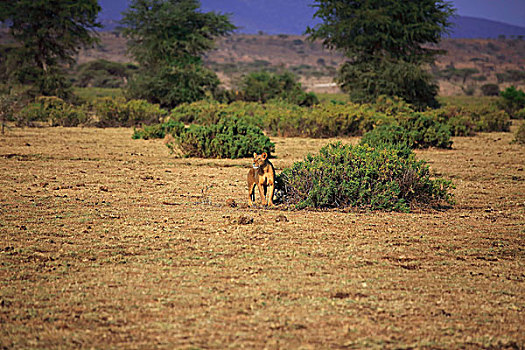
(261, 175)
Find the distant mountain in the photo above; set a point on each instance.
(293, 16)
(476, 28)
(268, 16)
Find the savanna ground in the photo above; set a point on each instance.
(107, 242)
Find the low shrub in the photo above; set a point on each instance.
(490, 89)
(280, 117)
(342, 176)
(512, 100)
(415, 130)
(264, 86)
(519, 137)
(158, 131)
(52, 110)
(209, 112)
(520, 114)
(115, 112)
(229, 138)
(102, 73)
(387, 134)
(469, 119)
(425, 131)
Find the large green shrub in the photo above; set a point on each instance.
(468, 119)
(343, 176)
(229, 138)
(158, 131)
(415, 130)
(490, 89)
(52, 110)
(170, 86)
(210, 112)
(512, 100)
(282, 118)
(114, 112)
(366, 80)
(264, 86)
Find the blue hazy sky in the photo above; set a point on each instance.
(507, 11)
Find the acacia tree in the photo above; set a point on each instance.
(383, 41)
(168, 39)
(49, 33)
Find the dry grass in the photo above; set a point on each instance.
(108, 242)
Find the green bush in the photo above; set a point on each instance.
(387, 134)
(158, 131)
(468, 119)
(114, 112)
(102, 74)
(512, 100)
(520, 114)
(209, 112)
(490, 89)
(360, 176)
(519, 137)
(229, 138)
(170, 86)
(366, 80)
(415, 130)
(282, 118)
(264, 86)
(52, 110)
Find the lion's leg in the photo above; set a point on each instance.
(271, 190)
(251, 193)
(261, 192)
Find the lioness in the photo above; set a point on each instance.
(262, 174)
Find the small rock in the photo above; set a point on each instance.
(104, 188)
(231, 203)
(244, 220)
(341, 295)
(281, 218)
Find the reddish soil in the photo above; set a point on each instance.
(107, 242)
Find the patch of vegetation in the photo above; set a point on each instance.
(341, 176)
(90, 94)
(417, 131)
(210, 112)
(52, 110)
(520, 135)
(490, 89)
(117, 112)
(168, 40)
(159, 131)
(512, 100)
(47, 37)
(511, 76)
(389, 61)
(367, 80)
(468, 119)
(228, 138)
(264, 86)
(102, 74)
(280, 118)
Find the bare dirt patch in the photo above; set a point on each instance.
(110, 242)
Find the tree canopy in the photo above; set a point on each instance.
(49, 33)
(168, 39)
(382, 36)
